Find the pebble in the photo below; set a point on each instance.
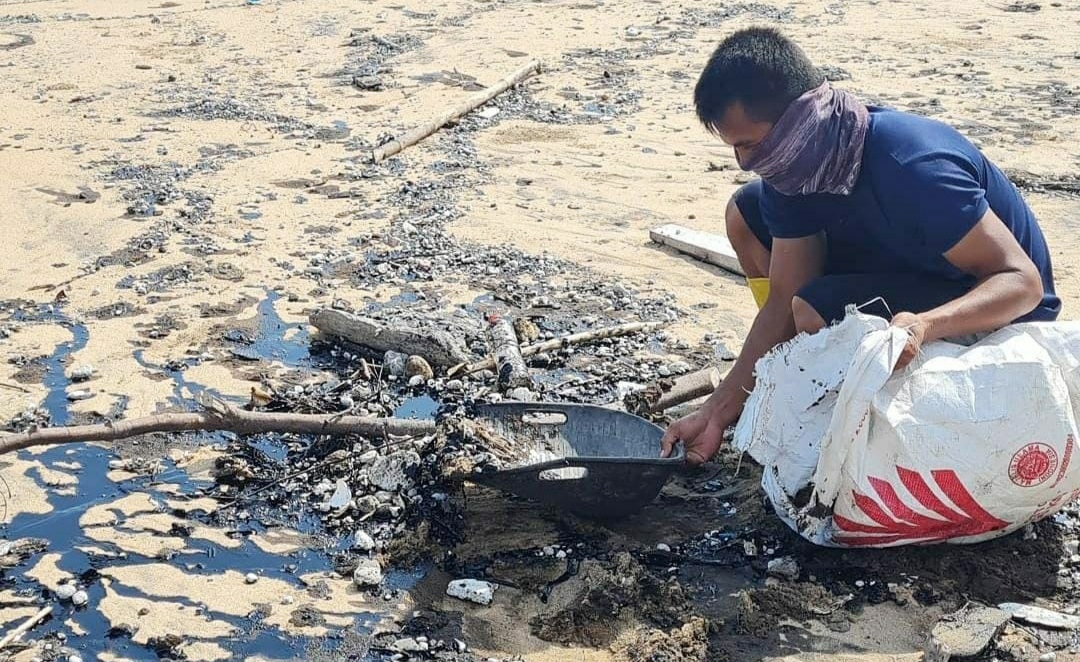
(785, 566)
(288, 600)
(251, 578)
(79, 598)
(663, 547)
(454, 385)
(342, 495)
(859, 583)
(561, 554)
(472, 590)
(416, 366)
(75, 657)
(522, 394)
(81, 373)
(368, 573)
(1048, 657)
(79, 395)
(118, 465)
(66, 591)
(363, 541)
(410, 645)
(416, 380)
(1072, 547)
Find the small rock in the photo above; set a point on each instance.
(1072, 547)
(409, 645)
(363, 541)
(472, 590)
(118, 465)
(859, 583)
(965, 633)
(416, 380)
(79, 395)
(79, 598)
(522, 394)
(455, 385)
(288, 600)
(368, 573)
(784, 566)
(66, 591)
(416, 366)
(663, 547)
(75, 657)
(1048, 657)
(342, 495)
(251, 578)
(488, 113)
(81, 373)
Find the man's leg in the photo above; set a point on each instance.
(747, 232)
(750, 238)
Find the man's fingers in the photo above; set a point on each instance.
(667, 444)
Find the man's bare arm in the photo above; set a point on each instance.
(795, 262)
(1009, 286)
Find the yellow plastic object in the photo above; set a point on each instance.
(759, 287)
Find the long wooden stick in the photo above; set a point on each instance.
(559, 343)
(423, 131)
(229, 419)
(27, 625)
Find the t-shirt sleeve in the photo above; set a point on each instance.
(936, 198)
(790, 217)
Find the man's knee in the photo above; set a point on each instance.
(753, 256)
(807, 318)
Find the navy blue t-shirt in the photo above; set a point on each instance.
(922, 187)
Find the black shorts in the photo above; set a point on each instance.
(875, 293)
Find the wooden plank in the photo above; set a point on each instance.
(707, 247)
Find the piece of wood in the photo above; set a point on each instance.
(668, 393)
(559, 343)
(707, 247)
(221, 417)
(510, 368)
(438, 346)
(27, 625)
(472, 103)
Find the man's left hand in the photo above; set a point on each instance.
(916, 329)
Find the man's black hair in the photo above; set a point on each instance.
(758, 67)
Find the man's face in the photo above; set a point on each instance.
(742, 132)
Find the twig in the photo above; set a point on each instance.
(506, 351)
(219, 417)
(14, 387)
(27, 625)
(419, 133)
(559, 343)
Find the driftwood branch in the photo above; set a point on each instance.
(559, 343)
(511, 369)
(26, 626)
(227, 419)
(419, 133)
(438, 346)
(669, 393)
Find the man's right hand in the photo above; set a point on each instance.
(700, 433)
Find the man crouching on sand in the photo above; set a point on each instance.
(856, 205)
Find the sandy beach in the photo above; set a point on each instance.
(177, 173)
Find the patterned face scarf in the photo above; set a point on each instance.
(816, 146)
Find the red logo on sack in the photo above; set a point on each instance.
(1033, 465)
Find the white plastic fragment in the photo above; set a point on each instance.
(472, 590)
